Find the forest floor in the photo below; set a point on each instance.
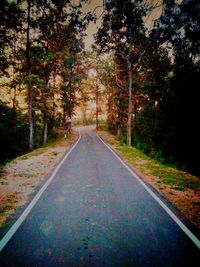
(20, 177)
(180, 188)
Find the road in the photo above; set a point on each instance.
(96, 213)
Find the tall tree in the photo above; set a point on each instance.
(179, 27)
(10, 22)
(58, 42)
(123, 32)
(28, 70)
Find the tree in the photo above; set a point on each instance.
(10, 23)
(58, 42)
(13, 133)
(179, 27)
(123, 32)
(40, 40)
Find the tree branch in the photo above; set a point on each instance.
(139, 60)
(120, 84)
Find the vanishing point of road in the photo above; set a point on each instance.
(94, 212)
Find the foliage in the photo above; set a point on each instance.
(10, 23)
(41, 46)
(178, 111)
(164, 83)
(13, 133)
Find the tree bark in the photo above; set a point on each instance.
(97, 107)
(30, 93)
(14, 100)
(54, 98)
(130, 105)
(45, 130)
(45, 114)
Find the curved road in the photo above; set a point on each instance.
(96, 213)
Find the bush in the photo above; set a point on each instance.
(13, 133)
(53, 135)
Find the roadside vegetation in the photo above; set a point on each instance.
(179, 187)
(152, 79)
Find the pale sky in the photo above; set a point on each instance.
(97, 7)
(92, 5)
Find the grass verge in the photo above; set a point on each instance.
(180, 188)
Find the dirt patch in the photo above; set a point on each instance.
(180, 188)
(19, 178)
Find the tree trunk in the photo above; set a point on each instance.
(118, 131)
(84, 113)
(14, 102)
(54, 98)
(130, 107)
(97, 107)
(45, 114)
(45, 130)
(30, 94)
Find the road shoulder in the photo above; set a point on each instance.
(21, 178)
(182, 195)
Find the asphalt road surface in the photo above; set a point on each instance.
(95, 213)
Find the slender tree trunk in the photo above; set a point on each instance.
(14, 104)
(31, 130)
(84, 113)
(118, 131)
(54, 98)
(97, 107)
(14, 98)
(131, 68)
(45, 118)
(134, 120)
(130, 106)
(30, 94)
(45, 130)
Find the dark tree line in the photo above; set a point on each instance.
(153, 79)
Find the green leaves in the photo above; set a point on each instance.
(69, 62)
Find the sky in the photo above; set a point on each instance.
(97, 7)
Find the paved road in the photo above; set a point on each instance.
(95, 213)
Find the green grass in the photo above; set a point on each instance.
(131, 153)
(165, 174)
(24, 157)
(173, 177)
(42, 149)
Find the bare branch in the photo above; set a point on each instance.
(120, 84)
(139, 60)
(96, 9)
(150, 7)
